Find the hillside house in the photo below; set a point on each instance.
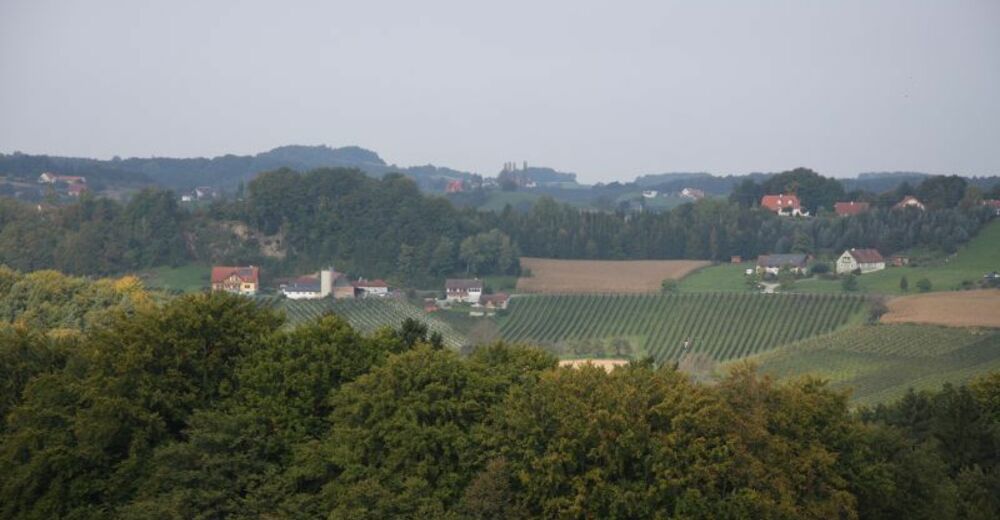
(236, 280)
(205, 193)
(454, 187)
(772, 264)
(865, 260)
(329, 282)
(692, 193)
(899, 260)
(784, 204)
(650, 194)
(51, 178)
(371, 288)
(993, 204)
(851, 208)
(909, 201)
(494, 301)
(75, 190)
(463, 290)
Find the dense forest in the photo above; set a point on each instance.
(206, 407)
(292, 222)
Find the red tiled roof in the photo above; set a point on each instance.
(495, 298)
(845, 209)
(370, 283)
(993, 203)
(779, 202)
(867, 256)
(249, 274)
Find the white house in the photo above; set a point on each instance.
(867, 260)
(909, 202)
(692, 193)
(772, 264)
(371, 288)
(463, 290)
(312, 287)
(650, 194)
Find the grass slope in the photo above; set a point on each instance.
(366, 314)
(880, 362)
(184, 279)
(723, 326)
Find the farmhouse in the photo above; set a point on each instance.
(784, 204)
(847, 209)
(650, 194)
(328, 282)
(51, 178)
(899, 260)
(993, 204)
(455, 186)
(867, 260)
(494, 301)
(237, 280)
(371, 288)
(75, 190)
(692, 193)
(772, 264)
(909, 201)
(463, 290)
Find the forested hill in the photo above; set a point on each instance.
(225, 172)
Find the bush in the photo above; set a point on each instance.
(668, 285)
(850, 283)
(924, 285)
(904, 284)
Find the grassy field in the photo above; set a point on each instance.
(723, 326)
(365, 314)
(720, 277)
(880, 362)
(184, 279)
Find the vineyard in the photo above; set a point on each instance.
(721, 325)
(879, 362)
(366, 314)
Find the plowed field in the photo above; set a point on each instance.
(957, 309)
(601, 276)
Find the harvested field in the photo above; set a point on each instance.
(956, 309)
(601, 276)
(607, 364)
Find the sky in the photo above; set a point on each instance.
(608, 90)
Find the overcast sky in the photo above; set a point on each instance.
(609, 90)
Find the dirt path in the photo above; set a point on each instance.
(957, 309)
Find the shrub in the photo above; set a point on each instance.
(924, 285)
(850, 283)
(819, 268)
(904, 284)
(668, 285)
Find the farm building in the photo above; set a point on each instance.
(867, 260)
(454, 187)
(993, 204)
(463, 290)
(371, 288)
(847, 209)
(899, 260)
(328, 282)
(692, 193)
(494, 301)
(784, 204)
(51, 178)
(650, 194)
(772, 264)
(237, 280)
(909, 201)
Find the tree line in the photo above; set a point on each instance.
(207, 407)
(292, 222)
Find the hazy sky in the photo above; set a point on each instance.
(608, 89)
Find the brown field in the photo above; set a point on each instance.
(607, 364)
(957, 309)
(602, 276)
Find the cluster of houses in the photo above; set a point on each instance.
(789, 205)
(470, 290)
(200, 193)
(687, 193)
(246, 280)
(850, 261)
(75, 185)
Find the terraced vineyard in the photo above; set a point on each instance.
(366, 314)
(880, 362)
(722, 325)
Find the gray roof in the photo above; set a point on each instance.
(794, 260)
(302, 287)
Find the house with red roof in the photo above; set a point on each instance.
(786, 205)
(993, 204)
(454, 187)
(237, 280)
(865, 260)
(850, 208)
